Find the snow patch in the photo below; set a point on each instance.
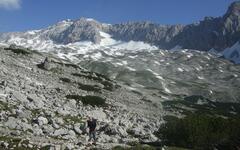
(180, 69)
(130, 68)
(108, 45)
(165, 88)
(133, 57)
(90, 19)
(96, 56)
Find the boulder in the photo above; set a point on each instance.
(60, 131)
(12, 123)
(42, 121)
(36, 102)
(48, 129)
(5, 145)
(37, 131)
(122, 132)
(97, 114)
(46, 64)
(69, 146)
(71, 135)
(16, 95)
(77, 129)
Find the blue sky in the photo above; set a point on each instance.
(20, 15)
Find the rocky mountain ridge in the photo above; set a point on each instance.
(211, 33)
(216, 30)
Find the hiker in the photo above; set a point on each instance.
(91, 124)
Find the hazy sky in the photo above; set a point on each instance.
(20, 15)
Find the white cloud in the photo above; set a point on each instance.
(10, 4)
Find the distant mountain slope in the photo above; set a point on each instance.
(211, 33)
(218, 33)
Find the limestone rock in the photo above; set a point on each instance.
(42, 121)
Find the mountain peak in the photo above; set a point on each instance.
(234, 9)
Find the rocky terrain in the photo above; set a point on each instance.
(44, 102)
(130, 76)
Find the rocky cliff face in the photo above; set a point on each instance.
(79, 30)
(148, 32)
(218, 33)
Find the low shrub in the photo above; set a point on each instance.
(19, 51)
(88, 100)
(199, 131)
(72, 119)
(56, 70)
(65, 80)
(14, 143)
(108, 85)
(135, 147)
(86, 87)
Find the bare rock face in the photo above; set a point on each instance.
(80, 30)
(148, 32)
(218, 33)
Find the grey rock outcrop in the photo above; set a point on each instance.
(80, 30)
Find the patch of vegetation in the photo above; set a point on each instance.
(108, 85)
(208, 107)
(72, 65)
(5, 106)
(66, 64)
(175, 148)
(135, 147)
(94, 100)
(47, 147)
(56, 70)
(132, 143)
(201, 131)
(145, 99)
(36, 112)
(19, 51)
(98, 75)
(88, 100)
(72, 119)
(14, 143)
(67, 80)
(86, 87)
(137, 92)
